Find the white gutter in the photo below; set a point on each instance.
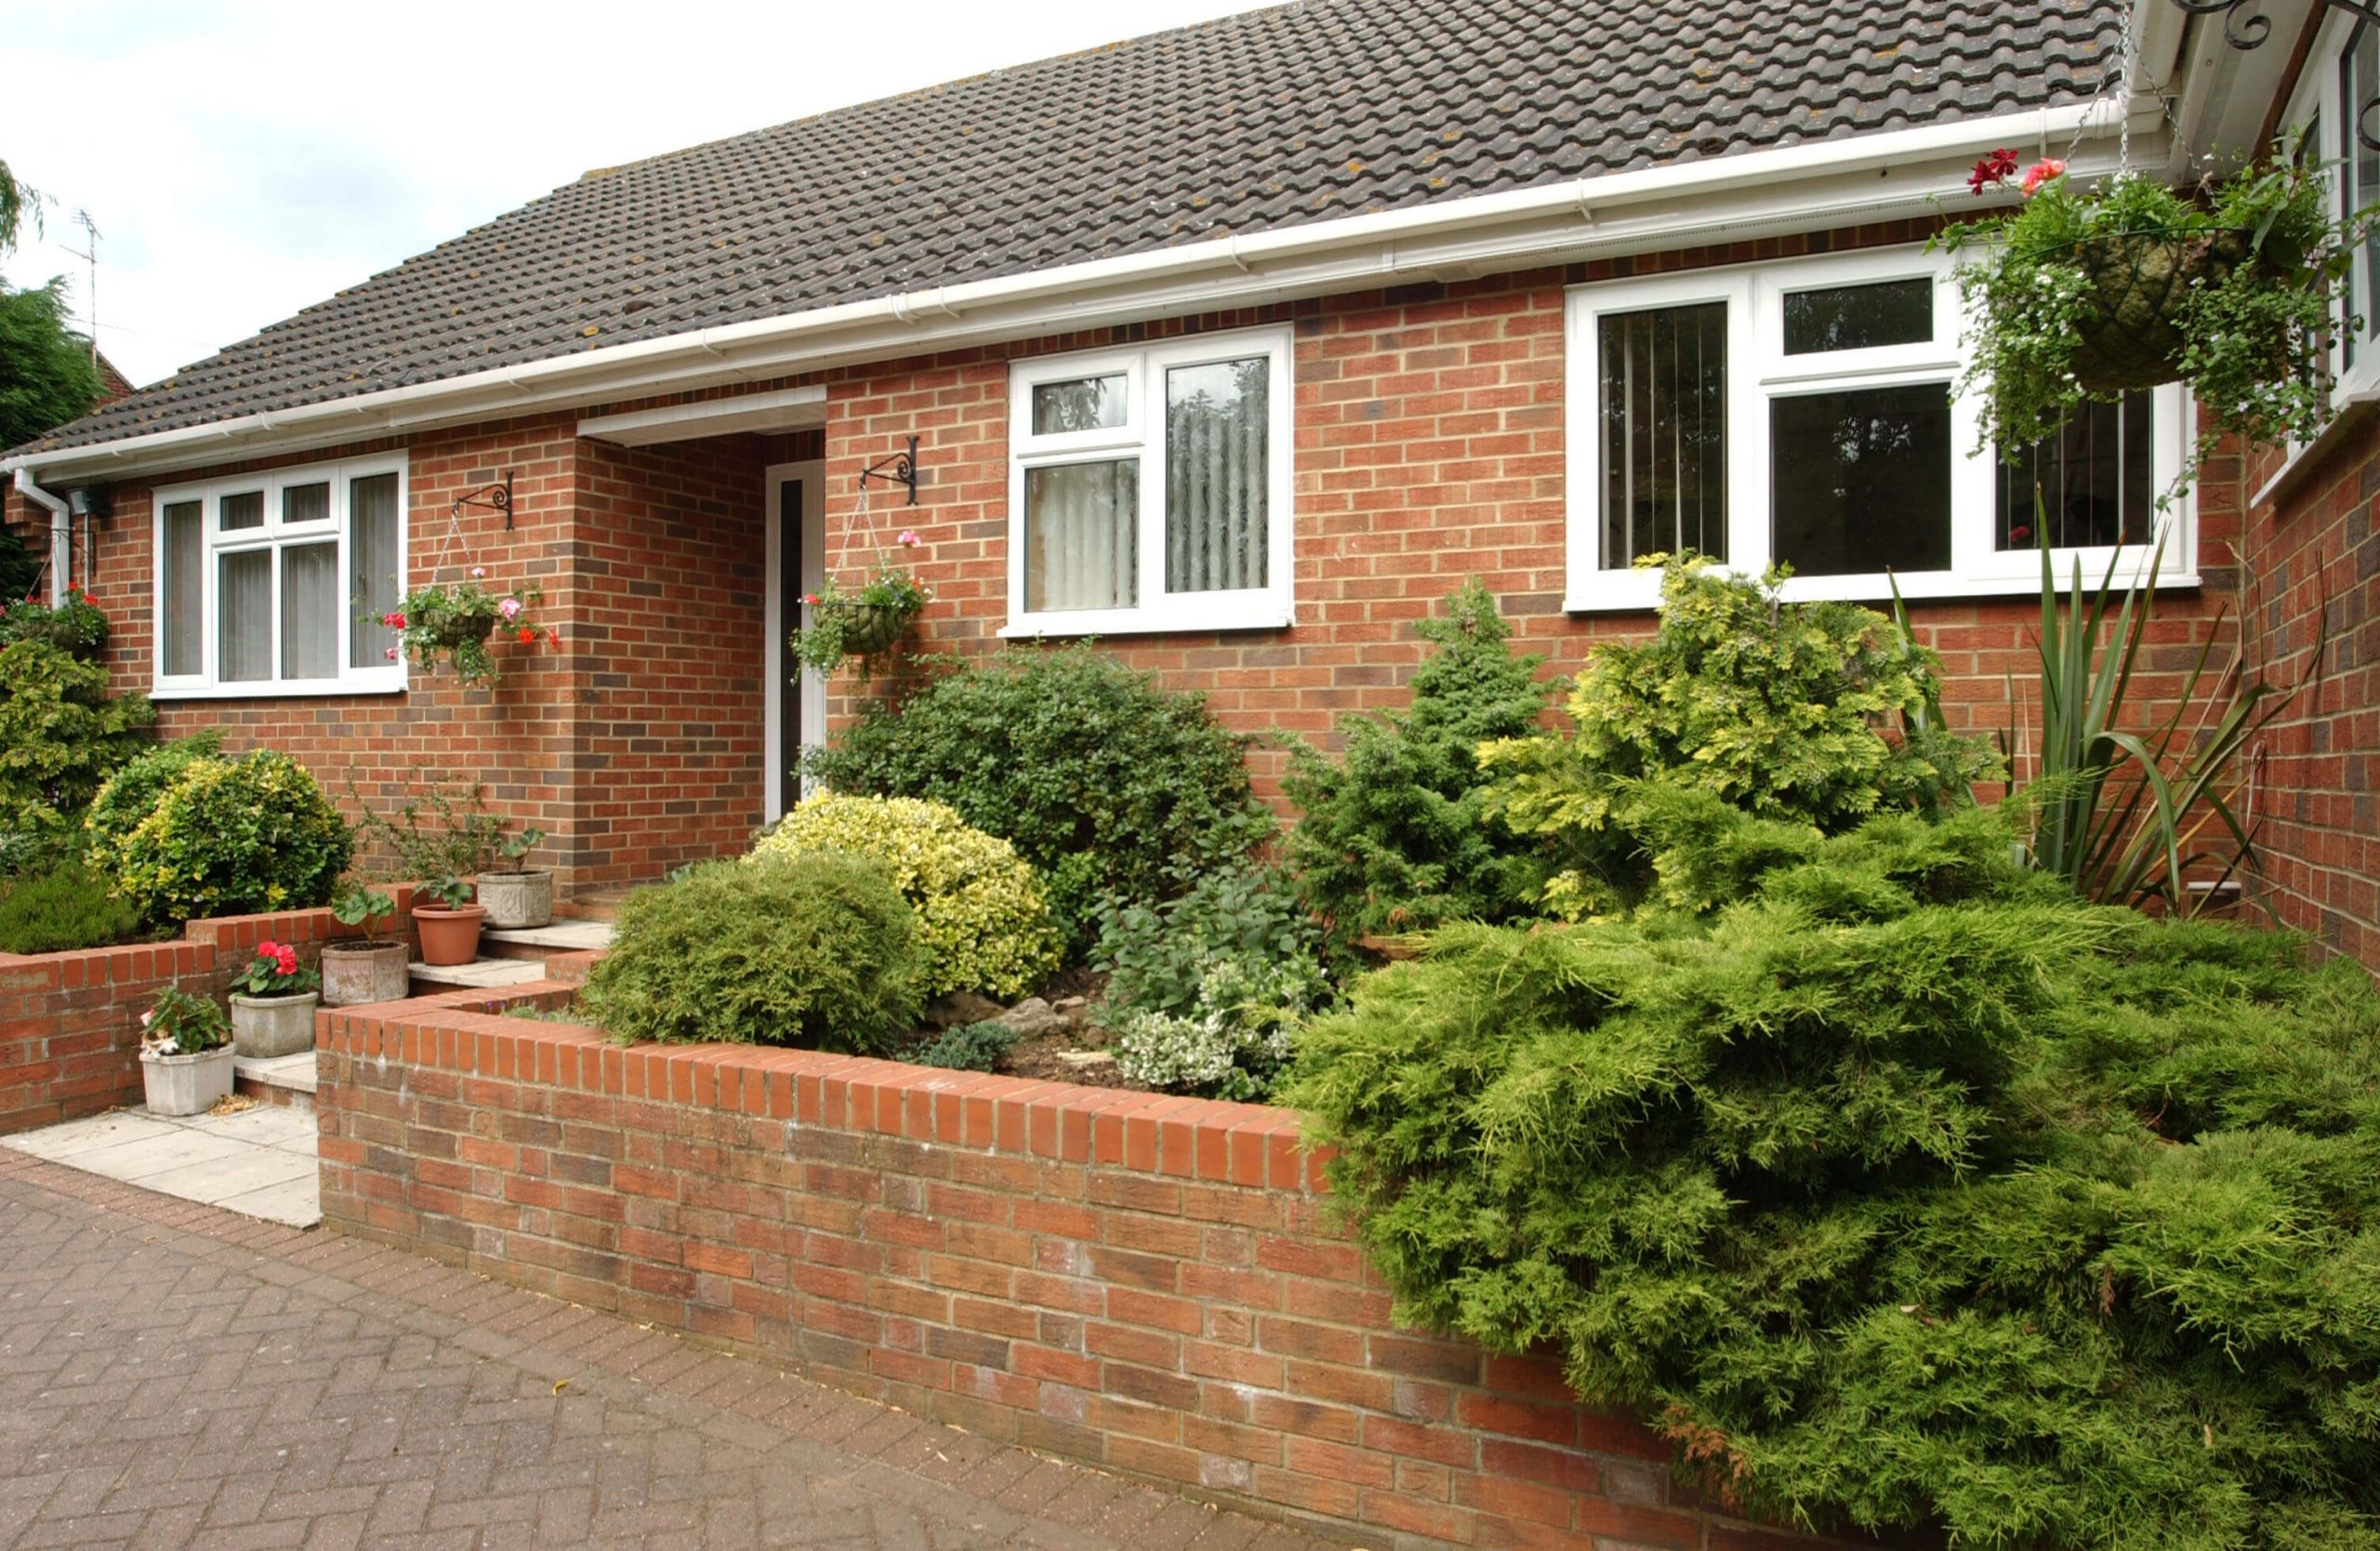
(1867, 178)
(61, 533)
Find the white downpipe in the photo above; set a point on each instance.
(61, 534)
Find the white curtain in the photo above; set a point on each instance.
(305, 503)
(185, 588)
(310, 611)
(375, 587)
(1082, 535)
(1216, 423)
(243, 600)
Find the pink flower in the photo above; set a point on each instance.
(145, 1018)
(909, 539)
(509, 608)
(2042, 172)
(478, 571)
(391, 654)
(1998, 167)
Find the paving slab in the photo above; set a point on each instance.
(260, 1159)
(294, 1072)
(480, 973)
(563, 936)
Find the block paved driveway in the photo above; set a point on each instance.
(174, 1375)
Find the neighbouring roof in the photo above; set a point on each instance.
(1253, 123)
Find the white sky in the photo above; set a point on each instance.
(245, 160)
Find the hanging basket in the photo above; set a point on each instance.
(869, 627)
(460, 630)
(2130, 333)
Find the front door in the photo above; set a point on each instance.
(796, 697)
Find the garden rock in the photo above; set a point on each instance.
(1087, 1063)
(1033, 1017)
(957, 1009)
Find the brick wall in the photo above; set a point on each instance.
(1151, 1284)
(70, 1022)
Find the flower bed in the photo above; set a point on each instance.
(69, 1022)
(1149, 1283)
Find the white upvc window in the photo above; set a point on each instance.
(2343, 76)
(274, 584)
(1149, 488)
(1802, 412)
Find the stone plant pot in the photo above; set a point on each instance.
(355, 974)
(516, 901)
(186, 1084)
(264, 1027)
(449, 936)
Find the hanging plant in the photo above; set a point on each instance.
(454, 621)
(2082, 294)
(862, 622)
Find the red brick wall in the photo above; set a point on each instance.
(70, 1022)
(1151, 1284)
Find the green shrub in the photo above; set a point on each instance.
(234, 836)
(131, 795)
(60, 734)
(76, 627)
(975, 1047)
(1395, 836)
(982, 924)
(1907, 1192)
(817, 951)
(1819, 712)
(1103, 781)
(1232, 1040)
(67, 906)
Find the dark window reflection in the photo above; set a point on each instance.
(1859, 317)
(2093, 478)
(1665, 432)
(1861, 480)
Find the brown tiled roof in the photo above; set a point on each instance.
(1253, 123)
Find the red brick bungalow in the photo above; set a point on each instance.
(1239, 347)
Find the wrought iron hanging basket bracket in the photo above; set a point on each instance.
(2246, 27)
(491, 498)
(900, 468)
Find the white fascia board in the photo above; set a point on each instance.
(786, 409)
(1898, 174)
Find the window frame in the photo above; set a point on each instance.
(275, 536)
(1759, 371)
(1142, 436)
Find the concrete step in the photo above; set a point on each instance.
(286, 1080)
(479, 974)
(536, 942)
(594, 905)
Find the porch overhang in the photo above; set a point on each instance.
(801, 408)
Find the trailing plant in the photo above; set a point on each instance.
(1394, 835)
(453, 622)
(235, 837)
(132, 793)
(1822, 712)
(1907, 1192)
(863, 621)
(982, 923)
(360, 907)
(2081, 294)
(974, 1047)
(818, 949)
(66, 905)
(274, 971)
(180, 1024)
(77, 627)
(61, 735)
(1101, 778)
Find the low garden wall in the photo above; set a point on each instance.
(1148, 1283)
(69, 1022)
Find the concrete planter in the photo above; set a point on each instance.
(355, 974)
(516, 901)
(263, 1026)
(186, 1084)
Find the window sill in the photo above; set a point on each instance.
(1931, 588)
(1058, 627)
(2296, 475)
(313, 690)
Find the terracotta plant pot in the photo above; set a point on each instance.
(264, 1027)
(355, 974)
(449, 936)
(517, 901)
(186, 1084)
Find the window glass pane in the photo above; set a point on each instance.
(1216, 420)
(1861, 480)
(243, 510)
(243, 604)
(1087, 404)
(305, 503)
(2092, 480)
(1859, 317)
(310, 611)
(1082, 535)
(1664, 400)
(184, 592)
(2360, 84)
(374, 588)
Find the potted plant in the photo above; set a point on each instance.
(2082, 294)
(273, 1004)
(448, 921)
(373, 967)
(863, 623)
(185, 1054)
(454, 620)
(517, 896)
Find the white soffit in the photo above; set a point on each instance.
(786, 409)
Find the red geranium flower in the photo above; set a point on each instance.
(1998, 167)
(527, 635)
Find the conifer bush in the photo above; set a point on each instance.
(1900, 1187)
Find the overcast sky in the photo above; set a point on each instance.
(243, 161)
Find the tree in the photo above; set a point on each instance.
(46, 375)
(17, 201)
